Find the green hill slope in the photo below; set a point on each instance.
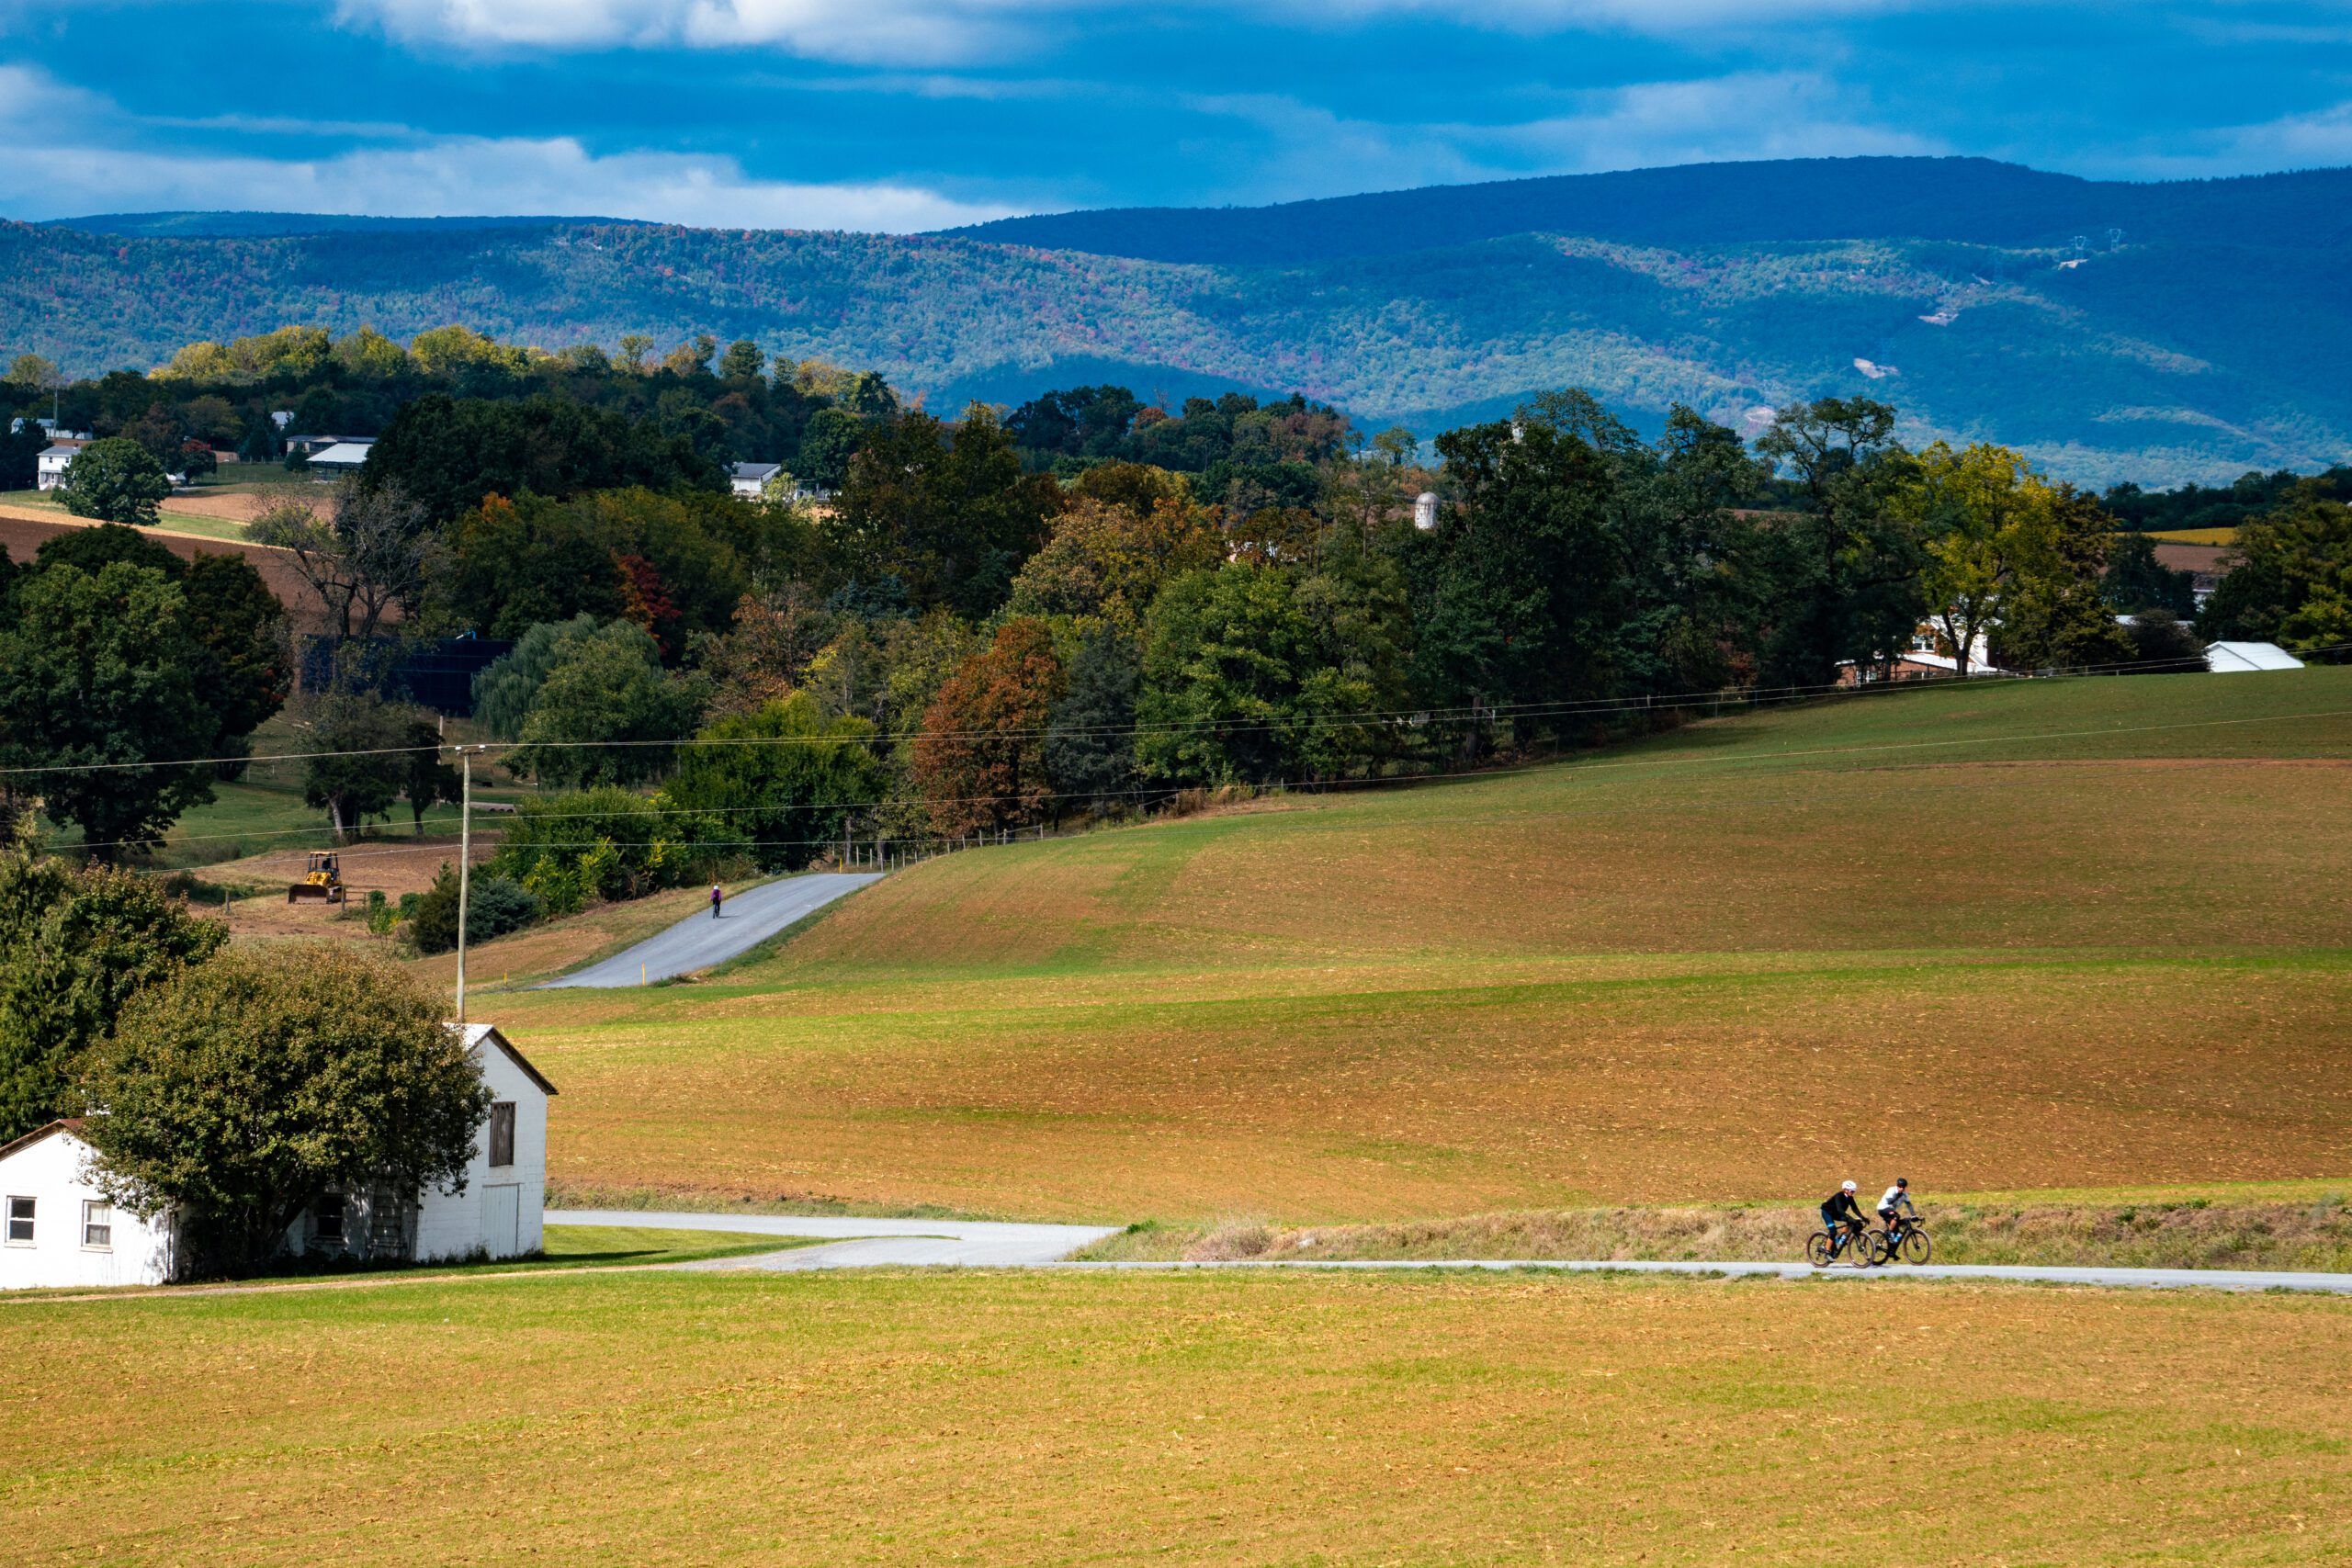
(2012, 936)
(2208, 339)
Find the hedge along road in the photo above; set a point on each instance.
(699, 940)
(982, 1243)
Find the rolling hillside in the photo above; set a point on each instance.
(2043, 936)
(2197, 330)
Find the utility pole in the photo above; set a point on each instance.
(465, 865)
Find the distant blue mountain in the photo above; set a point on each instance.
(267, 225)
(2160, 333)
(1970, 200)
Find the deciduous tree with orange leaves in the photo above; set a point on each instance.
(979, 763)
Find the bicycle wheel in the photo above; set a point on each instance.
(1917, 1247)
(1817, 1250)
(1869, 1249)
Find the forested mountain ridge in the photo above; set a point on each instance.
(2204, 339)
(1970, 200)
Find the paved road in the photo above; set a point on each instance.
(2143, 1278)
(976, 1244)
(698, 942)
(865, 1243)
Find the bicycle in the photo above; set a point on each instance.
(1822, 1248)
(1907, 1238)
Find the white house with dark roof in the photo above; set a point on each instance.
(49, 467)
(57, 1227)
(750, 481)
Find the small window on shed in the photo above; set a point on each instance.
(97, 1225)
(327, 1218)
(20, 1222)
(502, 1132)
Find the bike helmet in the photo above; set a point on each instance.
(1851, 1188)
(1903, 1182)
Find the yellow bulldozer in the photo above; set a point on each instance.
(322, 880)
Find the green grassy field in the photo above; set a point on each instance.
(2051, 935)
(630, 1417)
(175, 519)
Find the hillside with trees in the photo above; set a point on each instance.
(2155, 334)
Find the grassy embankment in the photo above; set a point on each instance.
(2010, 937)
(641, 1418)
(2294, 1226)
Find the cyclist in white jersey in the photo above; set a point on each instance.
(1895, 1199)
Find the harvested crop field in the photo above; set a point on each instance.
(658, 1418)
(2038, 935)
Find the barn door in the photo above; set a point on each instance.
(501, 1220)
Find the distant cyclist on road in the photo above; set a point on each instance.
(1842, 1218)
(1897, 1200)
(715, 896)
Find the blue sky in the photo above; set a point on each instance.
(915, 113)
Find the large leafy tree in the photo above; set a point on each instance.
(1520, 586)
(1989, 528)
(102, 685)
(2058, 617)
(241, 1091)
(115, 480)
(244, 672)
(369, 751)
(1090, 753)
(605, 713)
(503, 692)
(780, 781)
(980, 763)
(1258, 673)
(1843, 573)
(2291, 582)
(510, 565)
(75, 946)
(447, 454)
(947, 510)
(1113, 547)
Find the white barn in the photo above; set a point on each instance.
(57, 1228)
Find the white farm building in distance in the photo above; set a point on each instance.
(58, 1229)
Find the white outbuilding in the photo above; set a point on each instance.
(2247, 657)
(57, 1227)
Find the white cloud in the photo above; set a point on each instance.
(1723, 118)
(2293, 141)
(902, 32)
(2316, 138)
(938, 32)
(46, 176)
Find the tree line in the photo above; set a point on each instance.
(1003, 619)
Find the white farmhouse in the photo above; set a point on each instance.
(57, 1228)
(54, 459)
(750, 481)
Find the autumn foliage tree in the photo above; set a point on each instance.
(980, 763)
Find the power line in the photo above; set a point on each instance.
(1420, 718)
(1302, 786)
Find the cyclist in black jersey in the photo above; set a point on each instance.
(1842, 1218)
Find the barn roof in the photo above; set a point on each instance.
(480, 1034)
(63, 1124)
